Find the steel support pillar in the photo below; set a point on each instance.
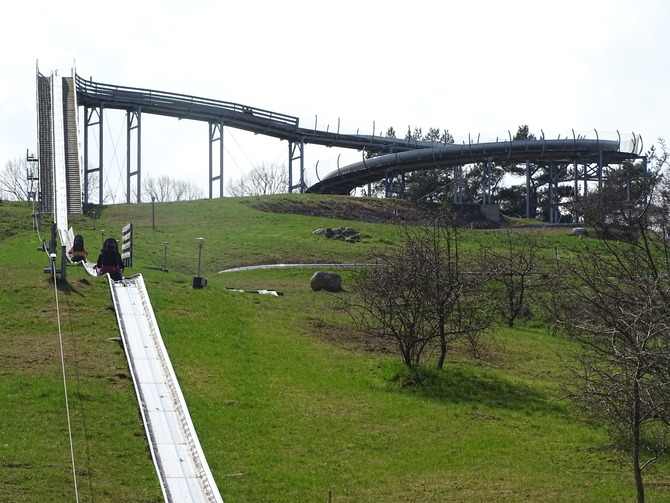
(550, 194)
(88, 114)
(134, 122)
(644, 168)
(527, 189)
(586, 179)
(575, 191)
(101, 130)
(215, 128)
(600, 170)
(86, 170)
(292, 146)
(458, 185)
(486, 186)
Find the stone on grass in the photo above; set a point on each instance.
(327, 281)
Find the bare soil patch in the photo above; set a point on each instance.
(371, 210)
(349, 338)
(380, 211)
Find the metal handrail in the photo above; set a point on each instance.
(142, 96)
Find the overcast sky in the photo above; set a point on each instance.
(475, 67)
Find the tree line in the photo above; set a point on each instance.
(17, 183)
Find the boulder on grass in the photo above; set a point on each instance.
(327, 281)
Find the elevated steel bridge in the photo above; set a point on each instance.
(384, 158)
(585, 160)
(96, 97)
(558, 151)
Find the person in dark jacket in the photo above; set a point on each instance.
(78, 252)
(109, 260)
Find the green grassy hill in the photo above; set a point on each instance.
(289, 402)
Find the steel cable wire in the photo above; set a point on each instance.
(62, 359)
(81, 402)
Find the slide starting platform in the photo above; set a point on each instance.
(181, 465)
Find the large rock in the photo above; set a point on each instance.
(327, 281)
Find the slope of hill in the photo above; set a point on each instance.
(289, 401)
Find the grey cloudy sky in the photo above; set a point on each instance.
(476, 67)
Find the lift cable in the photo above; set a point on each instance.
(62, 359)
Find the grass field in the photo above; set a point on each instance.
(289, 402)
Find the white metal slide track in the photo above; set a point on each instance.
(60, 178)
(181, 465)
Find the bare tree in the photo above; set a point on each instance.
(613, 208)
(513, 262)
(179, 189)
(262, 180)
(459, 300)
(188, 191)
(92, 187)
(165, 188)
(14, 180)
(613, 300)
(419, 295)
(158, 189)
(388, 301)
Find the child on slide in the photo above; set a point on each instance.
(110, 261)
(78, 252)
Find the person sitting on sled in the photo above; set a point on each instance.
(110, 261)
(78, 252)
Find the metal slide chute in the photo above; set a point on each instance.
(181, 465)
